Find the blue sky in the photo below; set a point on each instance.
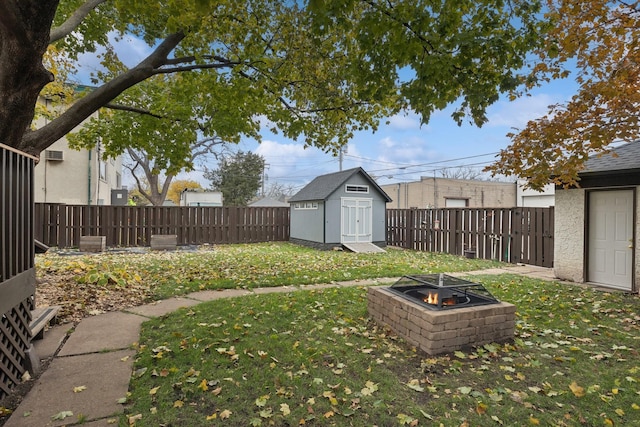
(399, 151)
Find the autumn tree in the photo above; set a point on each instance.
(160, 127)
(597, 43)
(238, 177)
(317, 70)
(178, 186)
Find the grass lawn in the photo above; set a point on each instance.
(90, 284)
(314, 358)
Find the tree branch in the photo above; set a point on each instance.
(194, 67)
(74, 20)
(38, 140)
(131, 109)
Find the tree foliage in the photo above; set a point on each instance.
(318, 71)
(597, 43)
(238, 177)
(159, 125)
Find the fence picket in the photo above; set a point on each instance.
(62, 225)
(511, 235)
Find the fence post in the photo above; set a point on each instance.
(411, 228)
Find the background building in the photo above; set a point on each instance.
(78, 177)
(199, 197)
(450, 193)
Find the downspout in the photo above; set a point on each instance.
(89, 182)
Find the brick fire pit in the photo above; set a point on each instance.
(441, 331)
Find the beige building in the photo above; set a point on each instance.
(69, 176)
(451, 193)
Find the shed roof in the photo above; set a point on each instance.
(269, 202)
(626, 157)
(321, 187)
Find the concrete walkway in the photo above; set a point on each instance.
(91, 364)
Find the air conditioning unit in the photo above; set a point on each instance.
(54, 155)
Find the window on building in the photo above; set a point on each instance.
(102, 168)
(350, 188)
(456, 203)
(306, 205)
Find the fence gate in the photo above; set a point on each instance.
(17, 270)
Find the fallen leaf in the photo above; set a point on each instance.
(225, 414)
(132, 419)
(284, 408)
(576, 389)
(62, 415)
(464, 390)
(79, 389)
(415, 385)
(481, 408)
(154, 390)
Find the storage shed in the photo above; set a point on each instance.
(596, 225)
(345, 208)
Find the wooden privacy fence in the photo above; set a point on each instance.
(17, 271)
(515, 235)
(62, 225)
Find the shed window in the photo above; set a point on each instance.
(306, 205)
(350, 188)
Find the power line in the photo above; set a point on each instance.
(434, 163)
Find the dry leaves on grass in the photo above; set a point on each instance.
(59, 283)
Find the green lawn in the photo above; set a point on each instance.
(314, 358)
(92, 283)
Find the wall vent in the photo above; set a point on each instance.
(54, 155)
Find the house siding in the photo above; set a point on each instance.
(307, 224)
(76, 179)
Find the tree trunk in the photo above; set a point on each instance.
(24, 36)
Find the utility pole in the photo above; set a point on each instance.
(264, 176)
(343, 150)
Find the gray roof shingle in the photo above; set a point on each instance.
(321, 187)
(627, 158)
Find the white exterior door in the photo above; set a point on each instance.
(610, 234)
(356, 219)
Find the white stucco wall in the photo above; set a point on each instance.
(569, 236)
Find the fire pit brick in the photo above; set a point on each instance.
(437, 332)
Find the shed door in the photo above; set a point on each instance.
(610, 234)
(356, 219)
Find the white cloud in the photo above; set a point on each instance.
(405, 121)
(516, 114)
(411, 150)
(291, 163)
